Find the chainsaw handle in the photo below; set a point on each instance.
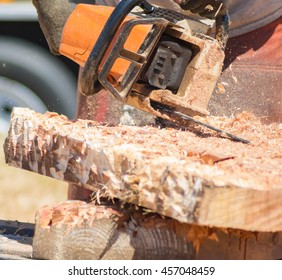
(89, 76)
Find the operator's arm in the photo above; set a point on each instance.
(52, 16)
(205, 8)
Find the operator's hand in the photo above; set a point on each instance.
(205, 8)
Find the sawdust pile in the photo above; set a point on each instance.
(263, 157)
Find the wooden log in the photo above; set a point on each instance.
(202, 180)
(77, 230)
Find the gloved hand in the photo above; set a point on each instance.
(205, 8)
(52, 16)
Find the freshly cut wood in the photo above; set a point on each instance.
(79, 230)
(193, 178)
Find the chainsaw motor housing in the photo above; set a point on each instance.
(172, 67)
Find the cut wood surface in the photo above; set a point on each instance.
(79, 230)
(193, 178)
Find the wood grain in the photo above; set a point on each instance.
(79, 230)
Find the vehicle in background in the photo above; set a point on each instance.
(30, 76)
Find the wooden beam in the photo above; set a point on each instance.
(202, 180)
(79, 230)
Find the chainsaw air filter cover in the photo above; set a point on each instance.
(168, 65)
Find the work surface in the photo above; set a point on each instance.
(194, 178)
(15, 240)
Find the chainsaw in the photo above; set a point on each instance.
(147, 57)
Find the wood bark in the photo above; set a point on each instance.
(199, 179)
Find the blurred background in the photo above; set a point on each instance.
(22, 193)
(30, 76)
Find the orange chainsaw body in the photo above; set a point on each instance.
(83, 28)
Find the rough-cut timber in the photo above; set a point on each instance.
(79, 230)
(194, 179)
